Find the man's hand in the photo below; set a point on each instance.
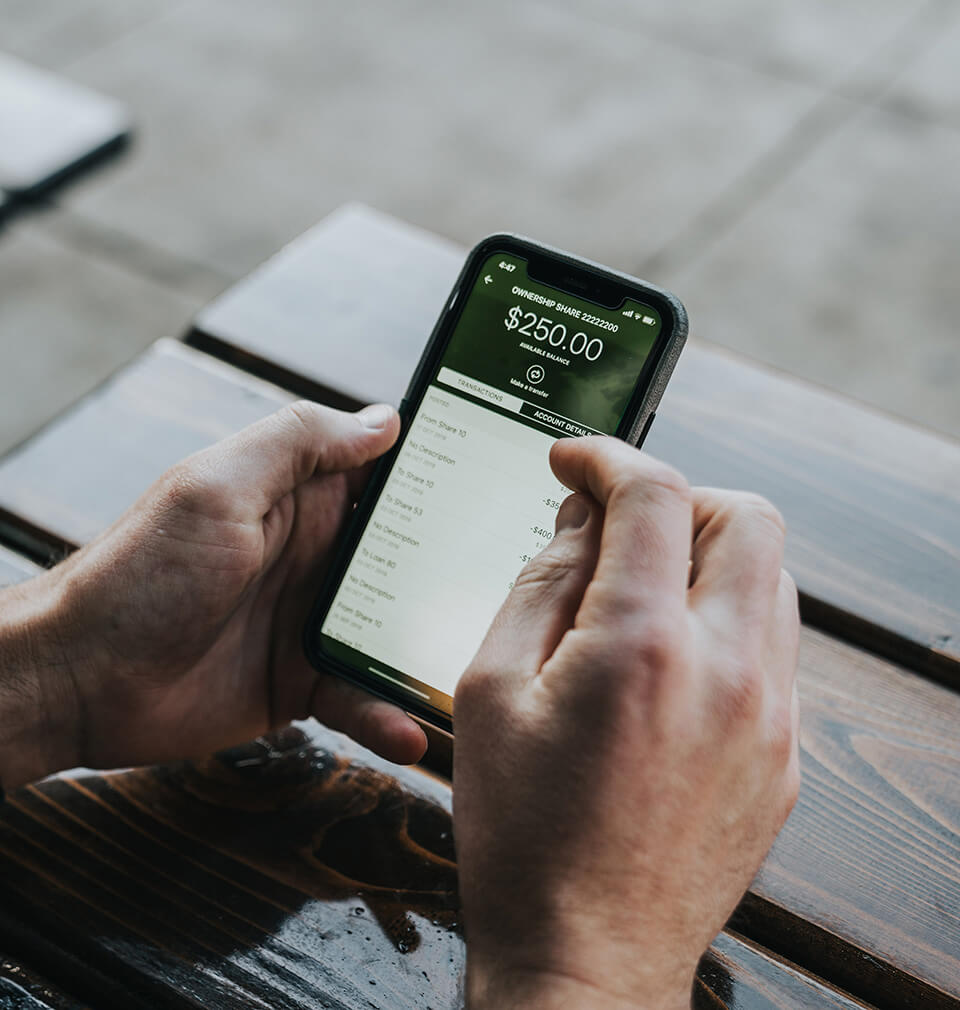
(178, 631)
(626, 739)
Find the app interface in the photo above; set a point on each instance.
(470, 497)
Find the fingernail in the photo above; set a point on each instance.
(574, 512)
(376, 417)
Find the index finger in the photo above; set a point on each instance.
(647, 528)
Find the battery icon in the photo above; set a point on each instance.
(649, 321)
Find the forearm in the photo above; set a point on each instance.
(38, 700)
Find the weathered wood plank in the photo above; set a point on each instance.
(80, 472)
(21, 988)
(296, 871)
(825, 906)
(873, 505)
(737, 974)
(14, 568)
(341, 313)
(863, 884)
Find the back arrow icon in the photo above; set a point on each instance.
(488, 279)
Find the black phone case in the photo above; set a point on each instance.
(638, 418)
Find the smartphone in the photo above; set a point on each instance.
(533, 345)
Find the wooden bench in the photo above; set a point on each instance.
(301, 870)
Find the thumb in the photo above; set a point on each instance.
(272, 457)
(545, 599)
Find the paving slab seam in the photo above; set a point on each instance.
(863, 89)
(673, 38)
(160, 13)
(133, 254)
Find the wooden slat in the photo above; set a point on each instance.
(296, 871)
(873, 505)
(340, 314)
(14, 568)
(863, 884)
(73, 478)
(817, 909)
(21, 988)
(736, 974)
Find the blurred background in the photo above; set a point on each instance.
(790, 168)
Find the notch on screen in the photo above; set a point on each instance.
(564, 278)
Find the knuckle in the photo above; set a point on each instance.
(302, 415)
(661, 478)
(780, 732)
(636, 649)
(788, 584)
(656, 644)
(199, 486)
(760, 512)
(741, 692)
(478, 687)
(790, 792)
(185, 486)
(547, 569)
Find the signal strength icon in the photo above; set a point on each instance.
(628, 313)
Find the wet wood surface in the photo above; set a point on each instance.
(14, 567)
(872, 504)
(862, 886)
(296, 871)
(21, 988)
(736, 975)
(76, 475)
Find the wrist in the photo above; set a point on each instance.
(40, 724)
(491, 986)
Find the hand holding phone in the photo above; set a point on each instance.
(533, 345)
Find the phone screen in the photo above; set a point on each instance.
(470, 497)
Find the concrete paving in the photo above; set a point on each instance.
(791, 169)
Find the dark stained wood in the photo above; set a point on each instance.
(736, 974)
(21, 988)
(863, 884)
(293, 872)
(862, 887)
(72, 479)
(14, 568)
(296, 871)
(873, 505)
